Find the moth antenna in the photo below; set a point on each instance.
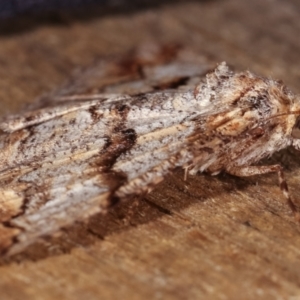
(285, 114)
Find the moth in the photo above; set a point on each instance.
(80, 154)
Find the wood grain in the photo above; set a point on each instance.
(209, 237)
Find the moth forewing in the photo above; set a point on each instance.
(66, 162)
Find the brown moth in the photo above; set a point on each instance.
(64, 162)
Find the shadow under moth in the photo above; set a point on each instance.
(85, 148)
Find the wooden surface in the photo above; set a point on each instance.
(210, 237)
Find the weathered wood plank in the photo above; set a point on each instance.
(211, 237)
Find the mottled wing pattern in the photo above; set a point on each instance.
(75, 154)
(62, 163)
(70, 167)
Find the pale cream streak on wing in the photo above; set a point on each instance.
(159, 134)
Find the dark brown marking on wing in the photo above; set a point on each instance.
(118, 144)
(207, 150)
(30, 118)
(120, 141)
(122, 110)
(107, 144)
(241, 95)
(93, 110)
(130, 135)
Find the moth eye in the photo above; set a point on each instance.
(296, 130)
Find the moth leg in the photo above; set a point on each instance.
(186, 173)
(259, 170)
